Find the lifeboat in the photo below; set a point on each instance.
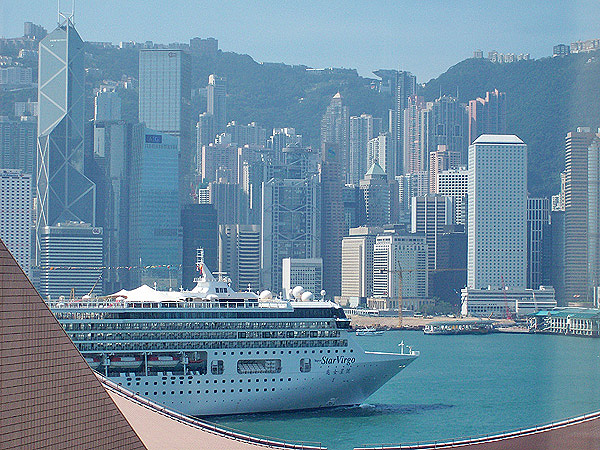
(126, 362)
(162, 362)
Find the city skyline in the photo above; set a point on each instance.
(270, 34)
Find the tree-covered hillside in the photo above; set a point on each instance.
(546, 99)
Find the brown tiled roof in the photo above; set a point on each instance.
(49, 397)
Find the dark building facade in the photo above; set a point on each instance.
(200, 240)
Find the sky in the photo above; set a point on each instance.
(424, 37)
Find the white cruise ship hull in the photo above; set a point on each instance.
(336, 382)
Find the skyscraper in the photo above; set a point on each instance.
(455, 183)
(401, 85)
(332, 217)
(70, 259)
(335, 129)
(539, 242)
(445, 122)
(430, 216)
(487, 115)
(18, 143)
(362, 129)
(414, 145)
(593, 223)
(239, 255)
(112, 152)
(400, 262)
(357, 264)
(380, 150)
(376, 194)
(164, 105)
(290, 212)
(63, 192)
(497, 223)
(439, 160)
(305, 272)
(200, 240)
(216, 101)
(154, 224)
(576, 213)
(15, 216)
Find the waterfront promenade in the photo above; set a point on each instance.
(579, 433)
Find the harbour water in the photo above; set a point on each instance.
(460, 386)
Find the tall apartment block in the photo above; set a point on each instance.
(539, 242)
(439, 160)
(576, 213)
(335, 129)
(239, 255)
(445, 122)
(497, 220)
(401, 85)
(380, 150)
(251, 134)
(415, 148)
(357, 265)
(362, 129)
(164, 105)
(487, 115)
(216, 101)
(415, 184)
(16, 215)
(454, 183)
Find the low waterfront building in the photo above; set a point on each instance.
(569, 321)
(509, 302)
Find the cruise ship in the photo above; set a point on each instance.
(215, 351)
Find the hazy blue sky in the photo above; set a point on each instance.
(425, 37)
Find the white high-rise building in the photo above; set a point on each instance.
(305, 272)
(70, 260)
(400, 259)
(362, 129)
(357, 264)
(497, 220)
(380, 151)
(454, 183)
(15, 216)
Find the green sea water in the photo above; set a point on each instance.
(459, 386)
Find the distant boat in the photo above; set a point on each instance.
(469, 326)
(368, 331)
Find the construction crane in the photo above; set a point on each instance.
(399, 272)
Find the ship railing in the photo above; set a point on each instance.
(108, 304)
(209, 427)
(487, 438)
